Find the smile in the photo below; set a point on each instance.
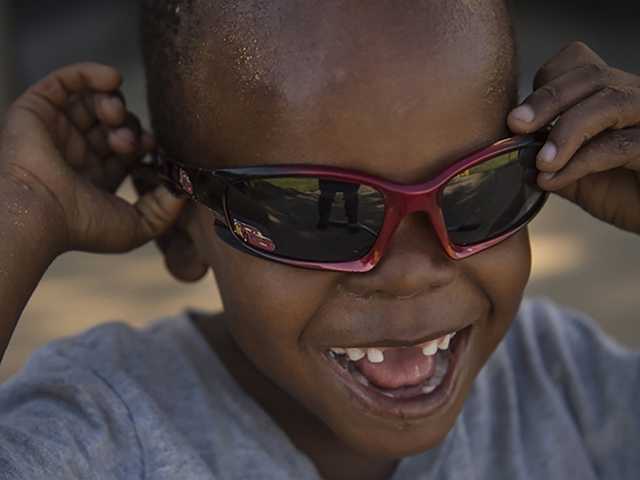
(412, 381)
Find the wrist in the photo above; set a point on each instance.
(33, 220)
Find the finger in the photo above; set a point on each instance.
(128, 144)
(80, 114)
(123, 141)
(126, 140)
(75, 149)
(610, 108)
(98, 141)
(158, 210)
(610, 150)
(110, 173)
(85, 110)
(51, 94)
(573, 55)
(111, 109)
(557, 96)
(110, 170)
(123, 226)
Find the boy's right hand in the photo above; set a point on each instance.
(66, 146)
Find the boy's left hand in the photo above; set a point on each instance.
(593, 154)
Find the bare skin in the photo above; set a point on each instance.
(272, 331)
(67, 145)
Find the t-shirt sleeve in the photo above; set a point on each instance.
(598, 379)
(59, 419)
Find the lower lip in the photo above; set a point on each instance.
(418, 407)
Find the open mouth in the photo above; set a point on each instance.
(410, 381)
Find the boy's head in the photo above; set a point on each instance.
(395, 89)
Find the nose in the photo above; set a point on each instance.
(413, 263)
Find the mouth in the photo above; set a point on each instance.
(408, 382)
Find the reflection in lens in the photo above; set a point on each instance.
(306, 218)
(492, 198)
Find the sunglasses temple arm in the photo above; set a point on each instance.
(166, 172)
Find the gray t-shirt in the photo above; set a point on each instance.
(557, 400)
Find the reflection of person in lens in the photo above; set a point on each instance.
(328, 191)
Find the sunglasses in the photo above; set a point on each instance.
(342, 220)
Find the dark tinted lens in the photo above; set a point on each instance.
(304, 218)
(493, 197)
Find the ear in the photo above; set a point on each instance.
(177, 246)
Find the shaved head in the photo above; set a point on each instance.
(224, 67)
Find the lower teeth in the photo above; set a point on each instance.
(442, 366)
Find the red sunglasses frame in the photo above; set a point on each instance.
(400, 200)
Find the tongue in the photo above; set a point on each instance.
(402, 367)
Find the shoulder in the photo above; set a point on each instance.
(557, 354)
(114, 349)
(558, 379)
(116, 337)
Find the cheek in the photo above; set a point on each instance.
(268, 308)
(502, 272)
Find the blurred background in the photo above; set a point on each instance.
(577, 261)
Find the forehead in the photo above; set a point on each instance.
(396, 92)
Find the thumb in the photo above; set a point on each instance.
(158, 211)
(107, 223)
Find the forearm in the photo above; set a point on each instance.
(25, 254)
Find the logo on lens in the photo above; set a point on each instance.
(185, 182)
(253, 236)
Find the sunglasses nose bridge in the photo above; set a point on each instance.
(426, 203)
(420, 202)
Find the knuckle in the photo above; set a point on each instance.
(579, 46)
(34, 105)
(550, 93)
(620, 98)
(49, 87)
(599, 74)
(622, 143)
(618, 94)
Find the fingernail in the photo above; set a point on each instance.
(113, 103)
(125, 135)
(548, 176)
(523, 113)
(548, 153)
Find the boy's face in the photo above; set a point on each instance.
(400, 95)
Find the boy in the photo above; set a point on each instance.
(359, 364)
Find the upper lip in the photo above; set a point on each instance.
(392, 324)
(390, 343)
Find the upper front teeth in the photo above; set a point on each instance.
(431, 348)
(376, 355)
(355, 354)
